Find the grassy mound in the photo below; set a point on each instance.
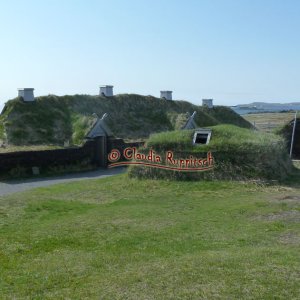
(238, 154)
(53, 120)
(286, 132)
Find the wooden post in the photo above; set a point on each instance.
(292, 141)
(101, 151)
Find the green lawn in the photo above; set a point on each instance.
(120, 238)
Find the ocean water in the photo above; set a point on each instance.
(244, 111)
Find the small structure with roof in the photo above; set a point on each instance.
(106, 90)
(166, 95)
(100, 128)
(26, 94)
(207, 102)
(201, 135)
(190, 123)
(100, 133)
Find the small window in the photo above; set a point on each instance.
(202, 136)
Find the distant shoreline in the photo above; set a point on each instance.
(242, 110)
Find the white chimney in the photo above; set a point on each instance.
(207, 102)
(26, 94)
(166, 95)
(106, 90)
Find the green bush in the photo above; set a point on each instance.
(2, 135)
(81, 125)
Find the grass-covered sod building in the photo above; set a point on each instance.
(238, 153)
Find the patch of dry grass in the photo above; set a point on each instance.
(269, 121)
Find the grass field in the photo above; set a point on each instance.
(269, 121)
(120, 238)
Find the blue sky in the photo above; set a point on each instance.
(235, 51)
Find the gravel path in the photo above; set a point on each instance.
(13, 186)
